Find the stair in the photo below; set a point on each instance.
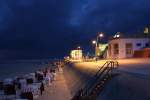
(95, 85)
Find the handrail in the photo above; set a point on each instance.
(97, 78)
(101, 79)
(102, 67)
(96, 73)
(102, 72)
(90, 81)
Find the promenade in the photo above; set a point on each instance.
(132, 83)
(57, 91)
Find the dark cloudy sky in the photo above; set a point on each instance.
(50, 28)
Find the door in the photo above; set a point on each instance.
(129, 50)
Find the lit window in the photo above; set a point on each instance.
(129, 50)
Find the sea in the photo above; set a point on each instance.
(13, 68)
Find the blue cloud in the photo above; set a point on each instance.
(48, 28)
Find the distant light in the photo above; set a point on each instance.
(146, 30)
(79, 47)
(117, 35)
(94, 42)
(101, 35)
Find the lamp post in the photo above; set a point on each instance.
(78, 48)
(100, 35)
(95, 43)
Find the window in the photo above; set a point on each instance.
(138, 44)
(116, 49)
(146, 44)
(128, 48)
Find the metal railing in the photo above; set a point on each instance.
(103, 71)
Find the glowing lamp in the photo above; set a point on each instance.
(94, 42)
(101, 35)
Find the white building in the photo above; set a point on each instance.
(76, 54)
(125, 47)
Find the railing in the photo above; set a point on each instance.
(103, 71)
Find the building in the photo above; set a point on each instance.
(76, 54)
(144, 53)
(125, 47)
(102, 49)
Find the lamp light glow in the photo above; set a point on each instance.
(101, 35)
(94, 42)
(117, 35)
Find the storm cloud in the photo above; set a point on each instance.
(50, 28)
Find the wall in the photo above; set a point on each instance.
(142, 53)
(75, 78)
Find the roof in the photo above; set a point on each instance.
(133, 36)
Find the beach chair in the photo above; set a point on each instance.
(2, 97)
(36, 91)
(27, 95)
(9, 89)
(32, 88)
(1, 94)
(1, 85)
(8, 97)
(9, 92)
(40, 77)
(32, 75)
(23, 83)
(29, 81)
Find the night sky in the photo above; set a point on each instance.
(33, 29)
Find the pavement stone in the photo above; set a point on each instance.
(57, 91)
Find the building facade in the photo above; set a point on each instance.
(76, 54)
(125, 47)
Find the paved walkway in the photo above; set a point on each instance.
(57, 91)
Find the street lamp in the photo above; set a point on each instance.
(100, 35)
(78, 48)
(94, 42)
(117, 35)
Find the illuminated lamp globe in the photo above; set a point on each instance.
(94, 42)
